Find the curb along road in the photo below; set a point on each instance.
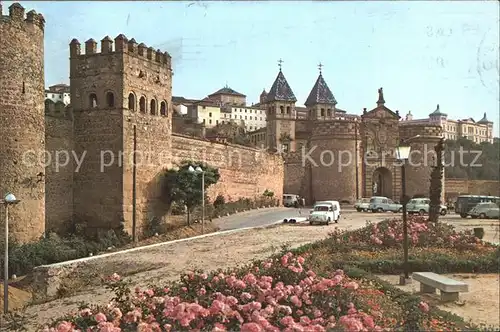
(146, 247)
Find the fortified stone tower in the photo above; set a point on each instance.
(280, 105)
(22, 126)
(332, 147)
(121, 98)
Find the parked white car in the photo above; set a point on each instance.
(291, 200)
(325, 212)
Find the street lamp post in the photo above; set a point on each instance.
(9, 199)
(199, 170)
(403, 153)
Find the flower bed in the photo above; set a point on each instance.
(279, 294)
(297, 291)
(389, 234)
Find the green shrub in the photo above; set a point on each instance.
(220, 210)
(54, 249)
(177, 209)
(219, 201)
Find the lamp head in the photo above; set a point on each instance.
(403, 151)
(199, 169)
(191, 169)
(10, 199)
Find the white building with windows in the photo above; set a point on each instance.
(252, 118)
(476, 131)
(58, 93)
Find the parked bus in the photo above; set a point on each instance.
(465, 203)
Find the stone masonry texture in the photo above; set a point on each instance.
(121, 97)
(340, 150)
(22, 125)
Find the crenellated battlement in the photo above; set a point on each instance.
(345, 127)
(423, 130)
(120, 44)
(17, 15)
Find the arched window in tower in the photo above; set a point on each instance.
(329, 112)
(163, 108)
(110, 99)
(288, 110)
(282, 110)
(142, 105)
(131, 102)
(152, 107)
(92, 100)
(322, 112)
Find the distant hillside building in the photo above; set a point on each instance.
(223, 106)
(58, 93)
(478, 132)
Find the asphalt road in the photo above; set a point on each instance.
(264, 217)
(256, 218)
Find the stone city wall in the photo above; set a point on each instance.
(455, 187)
(245, 172)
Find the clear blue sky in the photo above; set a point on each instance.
(421, 53)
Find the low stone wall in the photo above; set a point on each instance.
(456, 187)
(50, 281)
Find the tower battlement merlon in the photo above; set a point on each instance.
(121, 45)
(17, 15)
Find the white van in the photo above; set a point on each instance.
(291, 200)
(325, 212)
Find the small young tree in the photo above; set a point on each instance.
(185, 187)
(436, 185)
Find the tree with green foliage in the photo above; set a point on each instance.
(436, 186)
(233, 132)
(185, 187)
(488, 159)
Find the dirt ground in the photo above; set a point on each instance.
(481, 305)
(164, 263)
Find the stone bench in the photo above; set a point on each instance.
(448, 287)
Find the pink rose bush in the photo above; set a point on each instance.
(389, 234)
(275, 295)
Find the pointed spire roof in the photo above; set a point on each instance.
(437, 112)
(484, 119)
(281, 91)
(320, 94)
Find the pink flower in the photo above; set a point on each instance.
(352, 285)
(218, 327)
(251, 327)
(64, 327)
(116, 313)
(284, 260)
(109, 327)
(423, 306)
(317, 313)
(100, 317)
(246, 296)
(85, 312)
(296, 301)
(287, 321)
(300, 259)
(114, 277)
